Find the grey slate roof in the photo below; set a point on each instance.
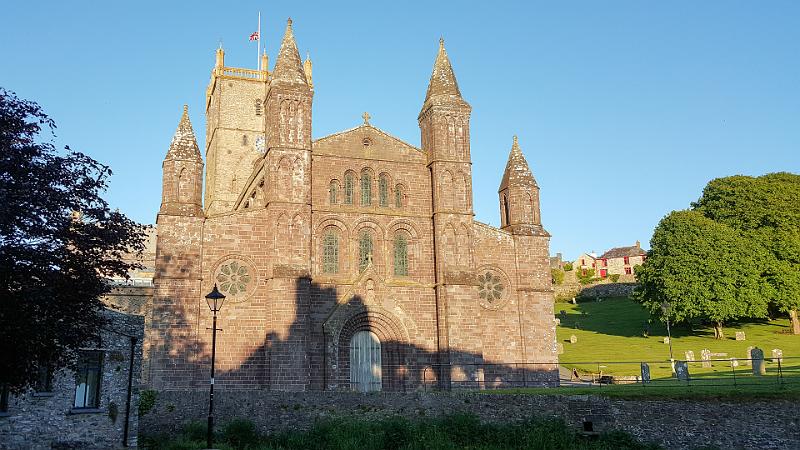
(620, 252)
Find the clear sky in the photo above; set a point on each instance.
(624, 109)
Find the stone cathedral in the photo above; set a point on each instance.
(348, 262)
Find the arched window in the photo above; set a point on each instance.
(364, 250)
(334, 192)
(398, 196)
(400, 255)
(330, 252)
(506, 212)
(349, 187)
(383, 190)
(366, 189)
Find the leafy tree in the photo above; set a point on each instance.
(567, 267)
(557, 275)
(704, 270)
(766, 210)
(58, 242)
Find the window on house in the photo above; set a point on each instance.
(626, 260)
(628, 271)
(398, 196)
(383, 190)
(364, 250)
(44, 379)
(330, 253)
(349, 187)
(400, 255)
(334, 192)
(366, 188)
(583, 263)
(3, 399)
(88, 377)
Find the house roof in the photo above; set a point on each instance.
(621, 252)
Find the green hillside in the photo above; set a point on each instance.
(611, 331)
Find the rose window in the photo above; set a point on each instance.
(233, 278)
(490, 287)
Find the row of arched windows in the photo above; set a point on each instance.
(346, 195)
(366, 245)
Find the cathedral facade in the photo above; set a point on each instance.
(348, 262)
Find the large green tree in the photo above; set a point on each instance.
(704, 270)
(59, 241)
(765, 210)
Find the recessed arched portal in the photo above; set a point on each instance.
(365, 362)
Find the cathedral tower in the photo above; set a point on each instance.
(444, 127)
(234, 131)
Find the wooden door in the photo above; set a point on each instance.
(365, 362)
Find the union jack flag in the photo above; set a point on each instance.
(254, 36)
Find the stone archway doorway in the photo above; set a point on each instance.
(365, 362)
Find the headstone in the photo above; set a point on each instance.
(689, 356)
(705, 357)
(747, 356)
(777, 355)
(666, 340)
(558, 321)
(560, 348)
(740, 336)
(645, 372)
(573, 301)
(757, 355)
(682, 370)
(734, 362)
(573, 339)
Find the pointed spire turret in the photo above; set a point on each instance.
(307, 68)
(289, 66)
(443, 85)
(517, 170)
(184, 143)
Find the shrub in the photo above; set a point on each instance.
(147, 399)
(614, 277)
(557, 275)
(195, 430)
(567, 267)
(241, 433)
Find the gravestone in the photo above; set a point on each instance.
(734, 362)
(689, 356)
(666, 340)
(777, 355)
(682, 370)
(645, 373)
(747, 356)
(558, 321)
(573, 301)
(705, 357)
(740, 336)
(560, 348)
(757, 355)
(573, 339)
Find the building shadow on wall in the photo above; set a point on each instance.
(352, 344)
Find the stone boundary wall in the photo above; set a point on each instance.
(674, 424)
(570, 290)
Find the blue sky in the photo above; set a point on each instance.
(624, 110)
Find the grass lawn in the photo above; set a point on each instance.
(610, 331)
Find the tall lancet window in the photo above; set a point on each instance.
(330, 252)
(349, 187)
(400, 255)
(333, 192)
(364, 250)
(506, 212)
(366, 188)
(383, 190)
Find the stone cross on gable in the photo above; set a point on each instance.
(366, 117)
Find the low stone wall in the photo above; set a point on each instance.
(674, 424)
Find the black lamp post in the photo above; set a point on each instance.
(214, 299)
(665, 307)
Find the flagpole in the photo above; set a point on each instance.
(258, 44)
